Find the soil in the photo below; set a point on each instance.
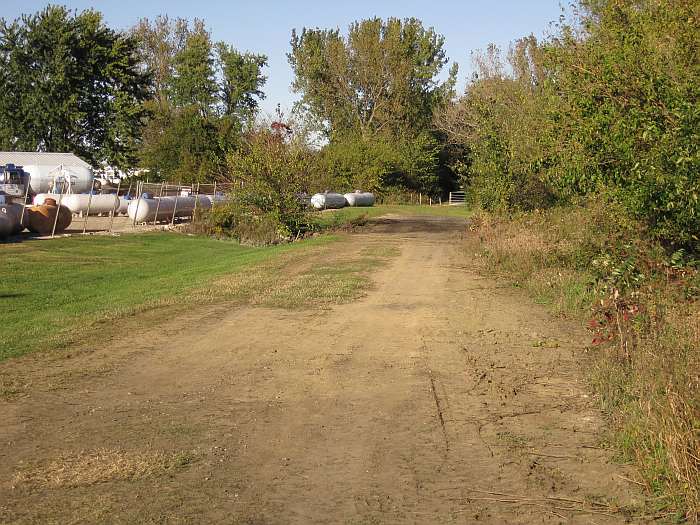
(442, 396)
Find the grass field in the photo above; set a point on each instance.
(49, 286)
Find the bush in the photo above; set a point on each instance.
(627, 111)
(247, 224)
(501, 124)
(379, 162)
(268, 207)
(610, 104)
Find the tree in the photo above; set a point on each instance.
(241, 81)
(373, 94)
(158, 43)
(69, 83)
(609, 105)
(382, 77)
(193, 82)
(206, 94)
(501, 122)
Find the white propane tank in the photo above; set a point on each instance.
(145, 210)
(80, 202)
(42, 177)
(360, 198)
(123, 206)
(323, 201)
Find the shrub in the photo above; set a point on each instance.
(642, 306)
(268, 207)
(627, 111)
(246, 223)
(610, 104)
(378, 162)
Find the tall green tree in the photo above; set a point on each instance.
(158, 43)
(69, 83)
(206, 94)
(373, 94)
(193, 82)
(384, 75)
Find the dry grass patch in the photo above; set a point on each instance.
(642, 305)
(100, 466)
(318, 278)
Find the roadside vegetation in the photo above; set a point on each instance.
(644, 319)
(582, 152)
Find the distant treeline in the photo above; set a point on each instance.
(607, 105)
(161, 96)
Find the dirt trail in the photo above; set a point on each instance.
(439, 397)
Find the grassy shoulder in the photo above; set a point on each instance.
(329, 219)
(55, 288)
(642, 307)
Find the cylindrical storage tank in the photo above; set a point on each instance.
(360, 198)
(215, 198)
(322, 201)
(82, 202)
(10, 219)
(40, 219)
(123, 205)
(41, 177)
(145, 210)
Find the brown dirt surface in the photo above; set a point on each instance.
(440, 396)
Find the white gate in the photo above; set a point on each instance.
(457, 198)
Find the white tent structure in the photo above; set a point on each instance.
(52, 172)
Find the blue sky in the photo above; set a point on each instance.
(264, 26)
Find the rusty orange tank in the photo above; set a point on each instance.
(40, 219)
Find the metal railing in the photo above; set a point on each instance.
(457, 198)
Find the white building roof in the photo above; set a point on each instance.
(31, 158)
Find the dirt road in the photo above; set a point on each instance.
(440, 397)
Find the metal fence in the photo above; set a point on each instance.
(171, 189)
(457, 198)
(117, 219)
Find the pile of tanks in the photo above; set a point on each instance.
(329, 200)
(146, 208)
(52, 212)
(15, 215)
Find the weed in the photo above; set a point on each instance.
(99, 466)
(641, 305)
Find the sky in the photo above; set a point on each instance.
(265, 26)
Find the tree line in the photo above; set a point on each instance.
(607, 106)
(165, 97)
(161, 96)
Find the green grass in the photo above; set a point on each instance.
(51, 289)
(348, 216)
